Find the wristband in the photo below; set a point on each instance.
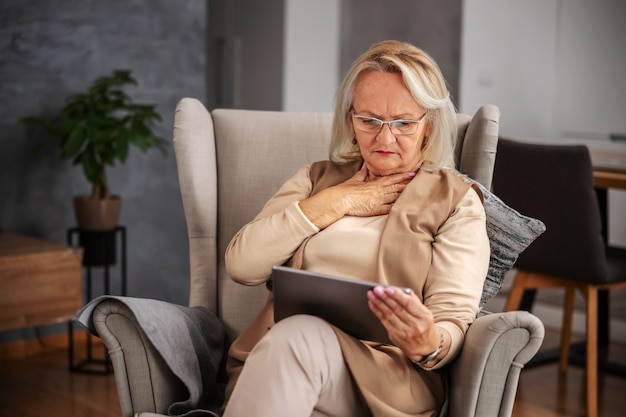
(433, 355)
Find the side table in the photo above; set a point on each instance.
(100, 250)
(40, 282)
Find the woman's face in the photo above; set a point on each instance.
(384, 96)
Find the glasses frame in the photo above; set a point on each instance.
(389, 123)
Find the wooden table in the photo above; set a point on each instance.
(40, 282)
(609, 169)
(604, 178)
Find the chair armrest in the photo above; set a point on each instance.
(485, 375)
(144, 382)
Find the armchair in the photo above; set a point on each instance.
(229, 164)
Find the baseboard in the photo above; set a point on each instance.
(25, 348)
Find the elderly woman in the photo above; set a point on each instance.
(388, 207)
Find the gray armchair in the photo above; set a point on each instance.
(229, 163)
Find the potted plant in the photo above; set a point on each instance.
(96, 129)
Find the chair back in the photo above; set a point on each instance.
(230, 162)
(554, 183)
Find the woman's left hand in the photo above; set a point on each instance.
(410, 325)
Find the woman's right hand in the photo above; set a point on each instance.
(357, 196)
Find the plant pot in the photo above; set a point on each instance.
(99, 248)
(97, 215)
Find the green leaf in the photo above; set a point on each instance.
(123, 146)
(91, 167)
(73, 143)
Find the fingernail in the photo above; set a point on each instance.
(379, 290)
(411, 174)
(390, 290)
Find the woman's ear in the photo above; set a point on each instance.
(427, 128)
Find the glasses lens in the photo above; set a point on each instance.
(403, 127)
(368, 125)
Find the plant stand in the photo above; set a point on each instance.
(100, 250)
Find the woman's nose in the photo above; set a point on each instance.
(385, 135)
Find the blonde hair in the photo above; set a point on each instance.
(423, 78)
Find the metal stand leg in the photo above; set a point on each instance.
(105, 244)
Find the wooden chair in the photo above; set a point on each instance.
(554, 183)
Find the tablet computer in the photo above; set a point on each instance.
(340, 301)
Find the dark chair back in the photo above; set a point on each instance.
(554, 183)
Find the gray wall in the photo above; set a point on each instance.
(51, 49)
(434, 26)
(245, 54)
(254, 46)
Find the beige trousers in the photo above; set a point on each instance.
(296, 370)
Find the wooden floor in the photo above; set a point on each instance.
(41, 385)
(544, 392)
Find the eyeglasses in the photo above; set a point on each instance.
(370, 124)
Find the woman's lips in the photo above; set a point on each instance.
(384, 153)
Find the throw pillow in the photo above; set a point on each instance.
(510, 233)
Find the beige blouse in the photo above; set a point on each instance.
(349, 248)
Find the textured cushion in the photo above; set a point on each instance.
(509, 234)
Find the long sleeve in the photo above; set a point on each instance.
(459, 266)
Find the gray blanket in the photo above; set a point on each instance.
(190, 340)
